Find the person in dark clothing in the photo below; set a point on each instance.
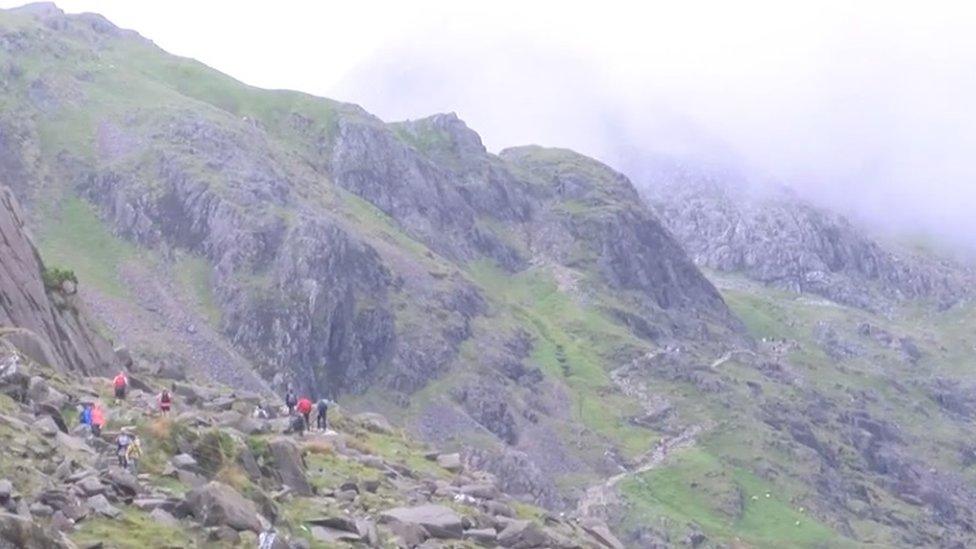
(291, 400)
(322, 407)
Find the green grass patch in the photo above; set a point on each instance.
(194, 275)
(74, 237)
(135, 530)
(728, 504)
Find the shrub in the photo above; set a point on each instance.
(54, 278)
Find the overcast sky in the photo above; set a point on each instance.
(864, 105)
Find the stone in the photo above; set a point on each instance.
(437, 520)
(483, 536)
(24, 532)
(481, 491)
(522, 534)
(451, 462)
(599, 530)
(46, 426)
(190, 478)
(183, 461)
(62, 523)
(6, 489)
(217, 504)
(289, 465)
(124, 482)
(38, 509)
(100, 504)
(333, 535)
(371, 485)
(91, 486)
(161, 516)
(499, 509)
(338, 523)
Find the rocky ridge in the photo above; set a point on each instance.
(772, 236)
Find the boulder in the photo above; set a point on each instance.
(46, 426)
(163, 517)
(21, 532)
(437, 520)
(337, 523)
(100, 504)
(333, 535)
(217, 504)
(481, 491)
(91, 486)
(522, 534)
(599, 530)
(289, 465)
(125, 483)
(184, 461)
(481, 536)
(6, 490)
(451, 462)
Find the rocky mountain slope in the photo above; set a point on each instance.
(524, 309)
(212, 475)
(772, 236)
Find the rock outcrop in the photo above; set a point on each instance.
(777, 238)
(39, 309)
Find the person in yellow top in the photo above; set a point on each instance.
(133, 452)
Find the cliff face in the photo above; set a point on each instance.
(42, 320)
(776, 238)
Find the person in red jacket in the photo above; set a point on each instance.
(121, 383)
(305, 408)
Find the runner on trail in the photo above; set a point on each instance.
(97, 419)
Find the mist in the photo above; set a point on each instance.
(864, 109)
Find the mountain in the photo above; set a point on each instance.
(770, 235)
(526, 309)
(477, 296)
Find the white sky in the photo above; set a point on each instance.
(864, 104)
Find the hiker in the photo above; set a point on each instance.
(122, 443)
(322, 407)
(290, 400)
(133, 453)
(305, 409)
(165, 401)
(86, 415)
(97, 420)
(121, 383)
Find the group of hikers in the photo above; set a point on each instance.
(301, 410)
(129, 448)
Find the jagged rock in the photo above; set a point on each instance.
(48, 333)
(125, 483)
(24, 533)
(600, 531)
(481, 491)
(438, 521)
(347, 524)
(289, 465)
(91, 486)
(100, 504)
(215, 504)
(47, 426)
(62, 523)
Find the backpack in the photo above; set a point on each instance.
(119, 381)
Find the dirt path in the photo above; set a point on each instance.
(157, 320)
